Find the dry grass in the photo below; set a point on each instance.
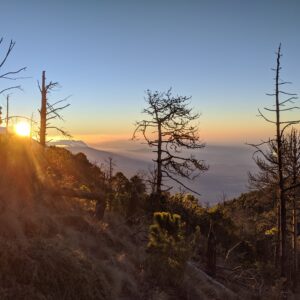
(53, 248)
(66, 255)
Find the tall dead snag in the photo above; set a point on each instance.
(211, 252)
(275, 163)
(50, 112)
(170, 128)
(43, 111)
(7, 112)
(110, 167)
(266, 180)
(292, 158)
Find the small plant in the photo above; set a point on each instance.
(167, 249)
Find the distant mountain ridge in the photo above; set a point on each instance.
(67, 143)
(227, 175)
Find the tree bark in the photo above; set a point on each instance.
(211, 253)
(281, 196)
(43, 112)
(7, 113)
(277, 247)
(295, 248)
(159, 161)
(294, 149)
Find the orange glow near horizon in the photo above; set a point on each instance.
(228, 134)
(226, 130)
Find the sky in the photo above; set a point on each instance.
(106, 54)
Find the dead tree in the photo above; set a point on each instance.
(292, 158)
(151, 178)
(275, 163)
(110, 167)
(9, 75)
(50, 112)
(211, 252)
(170, 128)
(10, 117)
(7, 112)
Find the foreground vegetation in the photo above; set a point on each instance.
(56, 245)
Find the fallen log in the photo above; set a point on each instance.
(98, 197)
(65, 192)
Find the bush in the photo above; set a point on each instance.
(126, 197)
(167, 249)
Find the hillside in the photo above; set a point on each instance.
(54, 247)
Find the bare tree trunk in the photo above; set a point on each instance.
(295, 248)
(7, 113)
(48, 111)
(100, 209)
(211, 253)
(294, 150)
(111, 167)
(43, 111)
(31, 127)
(281, 178)
(281, 196)
(159, 161)
(277, 250)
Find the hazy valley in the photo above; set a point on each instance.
(228, 165)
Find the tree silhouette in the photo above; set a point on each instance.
(110, 164)
(267, 179)
(292, 168)
(211, 252)
(48, 111)
(273, 161)
(169, 129)
(9, 75)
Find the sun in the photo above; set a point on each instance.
(22, 129)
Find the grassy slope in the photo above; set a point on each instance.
(55, 249)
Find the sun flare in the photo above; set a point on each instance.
(22, 129)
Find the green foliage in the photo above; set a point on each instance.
(137, 195)
(254, 214)
(167, 249)
(188, 207)
(126, 196)
(224, 227)
(119, 197)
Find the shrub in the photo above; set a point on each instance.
(167, 249)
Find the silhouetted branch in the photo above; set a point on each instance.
(18, 87)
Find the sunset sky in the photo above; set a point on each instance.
(107, 53)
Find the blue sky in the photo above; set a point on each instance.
(107, 53)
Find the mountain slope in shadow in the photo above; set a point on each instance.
(226, 177)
